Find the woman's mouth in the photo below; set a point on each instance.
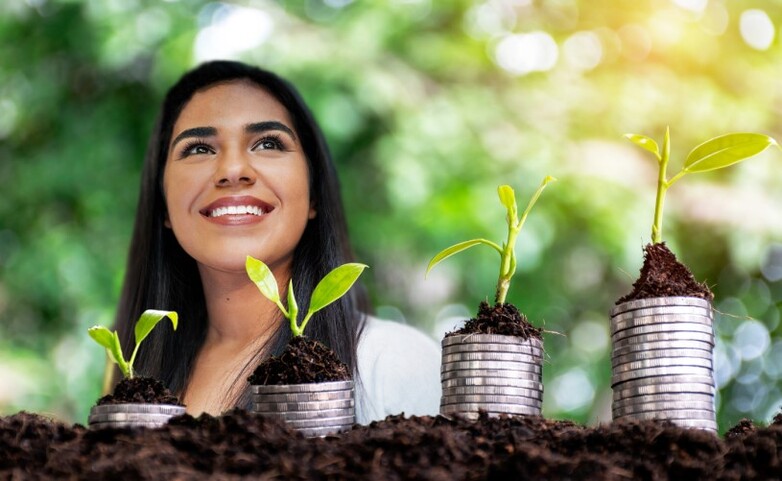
(236, 210)
(233, 210)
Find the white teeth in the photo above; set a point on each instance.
(236, 210)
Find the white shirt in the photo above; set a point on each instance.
(398, 370)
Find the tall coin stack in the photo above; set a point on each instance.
(132, 415)
(493, 373)
(315, 409)
(661, 361)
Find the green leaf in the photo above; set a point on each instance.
(508, 199)
(534, 199)
(644, 142)
(456, 248)
(149, 319)
(110, 341)
(334, 285)
(293, 308)
(263, 278)
(726, 150)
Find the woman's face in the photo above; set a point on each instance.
(236, 179)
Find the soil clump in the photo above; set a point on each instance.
(303, 361)
(240, 445)
(504, 319)
(140, 390)
(662, 275)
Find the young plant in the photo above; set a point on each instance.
(110, 339)
(333, 286)
(716, 153)
(508, 250)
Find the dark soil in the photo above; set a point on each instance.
(744, 427)
(664, 276)
(303, 361)
(239, 445)
(502, 319)
(140, 390)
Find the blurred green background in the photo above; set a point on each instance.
(428, 106)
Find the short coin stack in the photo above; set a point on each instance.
(315, 409)
(132, 415)
(662, 361)
(492, 373)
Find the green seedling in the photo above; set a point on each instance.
(110, 339)
(333, 286)
(716, 153)
(508, 250)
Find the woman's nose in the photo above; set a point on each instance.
(234, 169)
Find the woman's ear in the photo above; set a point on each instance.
(312, 213)
(166, 220)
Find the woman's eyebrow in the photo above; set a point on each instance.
(195, 132)
(259, 127)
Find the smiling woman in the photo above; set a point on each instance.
(237, 166)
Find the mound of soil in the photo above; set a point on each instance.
(664, 276)
(140, 390)
(303, 361)
(239, 445)
(502, 319)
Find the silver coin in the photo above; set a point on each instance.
(664, 336)
(327, 431)
(489, 408)
(696, 423)
(618, 326)
(688, 414)
(494, 347)
(664, 397)
(676, 380)
(144, 417)
(322, 422)
(495, 390)
(535, 384)
(138, 408)
(491, 339)
(303, 406)
(489, 399)
(662, 406)
(126, 424)
(303, 397)
(297, 388)
(665, 390)
(662, 362)
(660, 354)
(619, 377)
(668, 311)
(491, 356)
(662, 345)
(666, 327)
(488, 373)
(503, 365)
(660, 302)
(297, 415)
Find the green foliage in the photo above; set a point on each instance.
(508, 250)
(333, 286)
(716, 153)
(110, 339)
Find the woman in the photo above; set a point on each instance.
(237, 166)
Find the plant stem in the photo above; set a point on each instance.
(507, 266)
(662, 187)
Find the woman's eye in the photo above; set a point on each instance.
(269, 143)
(196, 149)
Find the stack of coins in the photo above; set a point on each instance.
(492, 373)
(315, 409)
(132, 415)
(662, 361)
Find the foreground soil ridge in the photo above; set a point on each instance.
(240, 445)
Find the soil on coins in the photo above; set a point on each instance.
(664, 276)
(504, 319)
(140, 390)
(303, 361)
(240, 445)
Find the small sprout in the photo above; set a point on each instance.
(335, 285)
(110, 339)
(716, 153)
(508, 250)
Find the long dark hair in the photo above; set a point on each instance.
(161, 275)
